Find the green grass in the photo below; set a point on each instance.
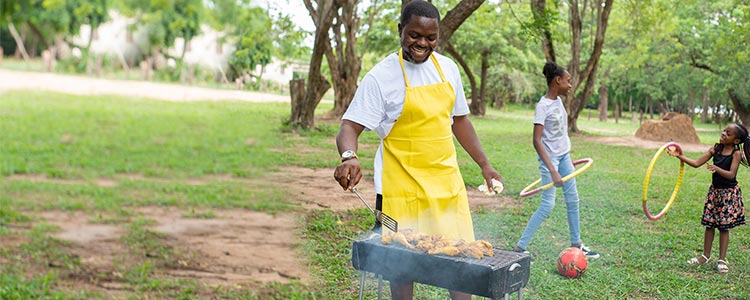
(154, 148)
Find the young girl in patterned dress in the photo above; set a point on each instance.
(723, 209)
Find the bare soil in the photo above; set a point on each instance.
(632, 141)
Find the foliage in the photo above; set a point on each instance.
(257, 36)
(670, 53)
(514, 58)
(288, 38)
(256, 40)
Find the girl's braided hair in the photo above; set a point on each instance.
(552, 70)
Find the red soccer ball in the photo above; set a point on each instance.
(572, 262)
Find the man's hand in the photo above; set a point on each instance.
(490, 173)
(348, 174)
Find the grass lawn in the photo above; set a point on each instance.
(77, 139)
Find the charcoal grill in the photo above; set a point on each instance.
(494, 277)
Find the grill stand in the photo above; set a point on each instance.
(362, 285)
(380, 287)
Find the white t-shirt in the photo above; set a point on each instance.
(379, 99)
(552, 115)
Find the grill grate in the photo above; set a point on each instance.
(493, 277)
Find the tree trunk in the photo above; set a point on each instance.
(742, 110)
(617, 112)
(603, 102)
(343, 60)
(691, 106)
(541, 21)
(454, 18)
(574, 102)
(317, 85)
(481, 107)
(19, 40)
(704, 108)
(630, 105)
(650, 108)
(469, 74)
(297, 93)
(717, 113)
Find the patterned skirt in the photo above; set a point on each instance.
(723, 208)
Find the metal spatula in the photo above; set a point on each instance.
(386, 220)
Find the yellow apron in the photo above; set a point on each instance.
(422, 185)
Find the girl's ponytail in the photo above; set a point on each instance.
(744, 138)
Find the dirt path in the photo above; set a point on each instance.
(632, 141)
(79, 85)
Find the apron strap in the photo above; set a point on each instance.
(432, 57)
(401, 61)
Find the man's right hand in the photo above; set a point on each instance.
(348, 174)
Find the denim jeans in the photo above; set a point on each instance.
(564, 166)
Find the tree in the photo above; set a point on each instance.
(91, 12)
(715, 42)
(542, 18)
(344, 61)
(454, 18)
(288, 41)
(324, 12)
(583, 73)
(255, 45)
(304, 104)
(500, 56)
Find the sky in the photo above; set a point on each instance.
(294, 8)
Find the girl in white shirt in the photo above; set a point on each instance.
(552, 146)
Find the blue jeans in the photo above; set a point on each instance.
(564, 166)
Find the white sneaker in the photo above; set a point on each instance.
(588, 252)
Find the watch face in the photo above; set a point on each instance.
(348, 154)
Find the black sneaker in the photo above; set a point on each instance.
(589, 254)
(531, 259)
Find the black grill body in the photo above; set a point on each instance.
(494, 277)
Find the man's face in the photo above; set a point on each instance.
(419, 37)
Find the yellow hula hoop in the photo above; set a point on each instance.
(648, 176)
(527, 191)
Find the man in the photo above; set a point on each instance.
(414, 100)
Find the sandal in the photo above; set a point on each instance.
(697, 260)
(721, 266)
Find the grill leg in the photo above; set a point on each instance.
(380, 286)
(362, 284)
(520, 293)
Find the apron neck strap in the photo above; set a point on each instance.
(432, 57)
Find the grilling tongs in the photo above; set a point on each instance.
(384, 219)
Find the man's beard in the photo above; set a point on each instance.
(408, 57)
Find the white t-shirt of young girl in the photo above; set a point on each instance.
(552, 115)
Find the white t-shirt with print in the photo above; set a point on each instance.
(552, 115)
(379, 99)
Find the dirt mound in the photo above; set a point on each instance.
(673, 127)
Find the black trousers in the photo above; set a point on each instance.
(378, 228)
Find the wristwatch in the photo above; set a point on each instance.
(347, 155)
